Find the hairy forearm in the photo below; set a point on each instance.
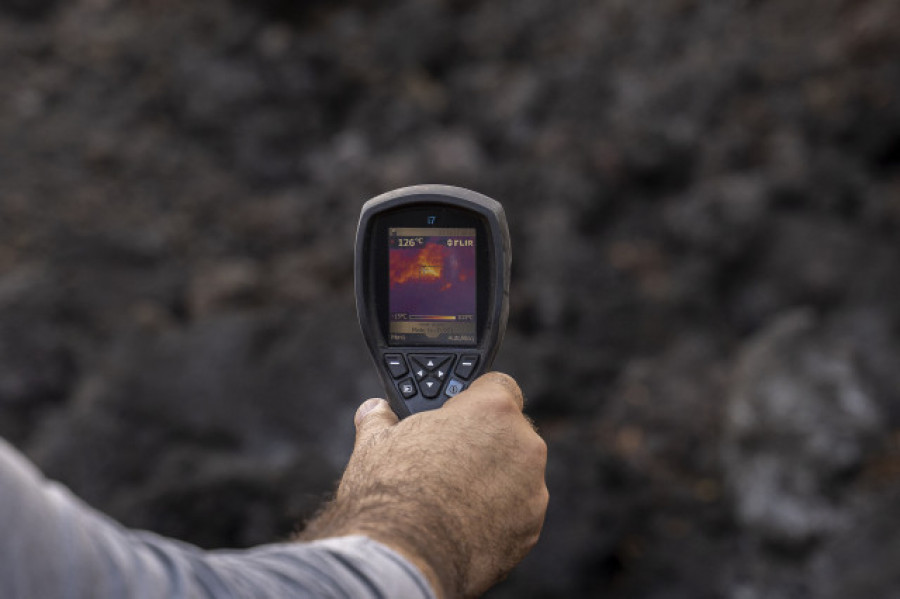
(423, 531)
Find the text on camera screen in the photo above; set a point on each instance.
(433, 286)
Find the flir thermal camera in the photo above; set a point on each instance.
(432, 288)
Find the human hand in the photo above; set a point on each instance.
(460, 490)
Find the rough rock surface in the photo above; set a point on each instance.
(704, 200)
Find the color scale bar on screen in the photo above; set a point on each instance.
(430, 317)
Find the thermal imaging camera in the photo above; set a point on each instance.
(432, 289)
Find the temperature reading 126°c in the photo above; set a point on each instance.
(407, 242)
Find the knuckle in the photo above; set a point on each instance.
(534, 533)
(507, 383)
(501, 405)
(501, 378)
(537, 449)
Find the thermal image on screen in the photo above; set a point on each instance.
(433, 283)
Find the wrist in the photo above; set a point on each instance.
(411, 555)
(426, 542)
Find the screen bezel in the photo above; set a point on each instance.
(418, 216)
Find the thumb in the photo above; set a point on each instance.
(372, 417)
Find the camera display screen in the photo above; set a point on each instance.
(433, 286)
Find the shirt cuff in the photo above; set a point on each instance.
(352, 566)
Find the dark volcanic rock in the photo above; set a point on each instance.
(179, 189)
(799, 419)
(808, 459)
(28, 9)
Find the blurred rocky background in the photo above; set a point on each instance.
(704, 200)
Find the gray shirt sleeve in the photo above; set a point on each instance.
(55, 546)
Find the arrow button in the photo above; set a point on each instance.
(431, 388)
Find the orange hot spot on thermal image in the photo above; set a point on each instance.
(425, 265)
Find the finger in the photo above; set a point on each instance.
(372, 417)
(497, 382)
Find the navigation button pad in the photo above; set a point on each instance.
(430, 371)
(424, 380)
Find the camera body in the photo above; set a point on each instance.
(432, 290)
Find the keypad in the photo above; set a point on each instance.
(429, 376)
